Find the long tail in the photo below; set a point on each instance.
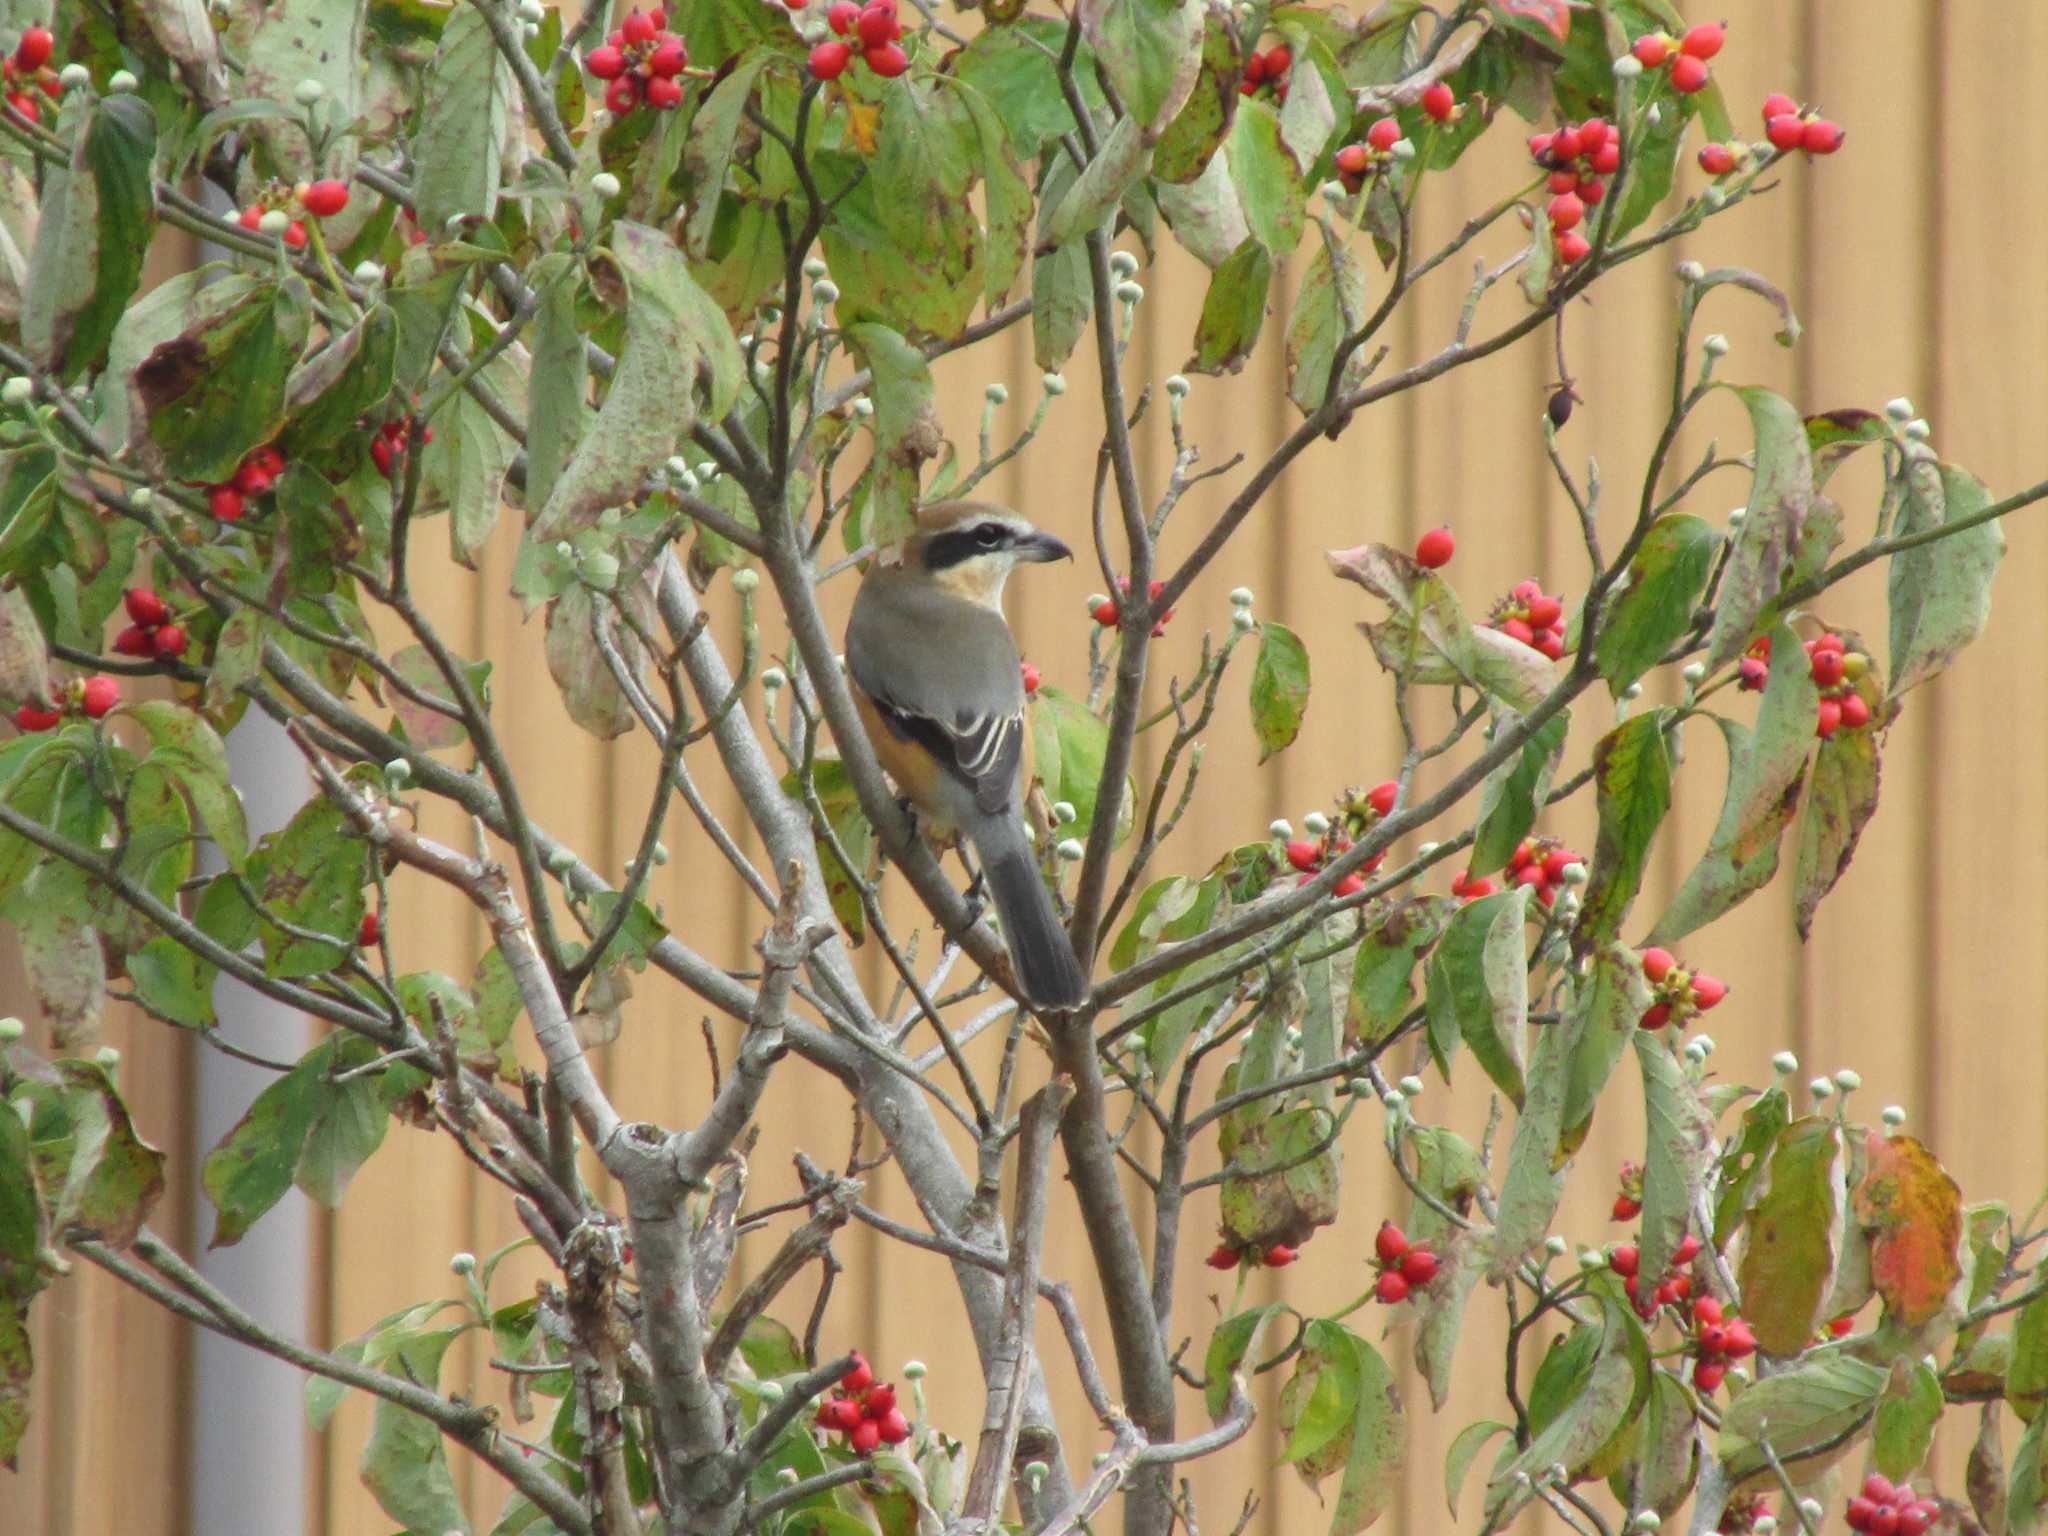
(1047, 971)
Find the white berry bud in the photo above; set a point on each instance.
(1334, 190)
(398, 770)
(1592, 1258)
(275, 221)
(773, 678)
(745, 580)
(1691, 272)
(1899, 408)
(561, 861)
(1715, 345)
(532, 10)
(815, 267)
(1573, 873)
(121, 82)
(914, 1370)
(564, 550)
(530, 29)
(1426, 850)
(1177, 386)
(76, 77)
(997, 394)
(1069, 848)
(1394, 1099)
(142, 496)
(825, 292)
(773, 1392)
(1647, 1520)
(1764, 1525)
(1095, 600)
(787, 1476)
(1282, 829)
(1848, 1081)
(18, 390)
(1240, 597)
(1784, 1063)
(1063, 813)
(369, 273)
(861, 406)
(11, 1029)
(1811, 1510)
(1695, 673)
(1035, 1473)
(1627, 67)
(1631, 693)
(1738, 517)
(308, 91)
(1555, 1246)
(1655, 115)
(605, 184)
(1128, 292)
(1894, 1115)
(1122, 264)
(1821, 1088)
(1055, 384)
(108, 1058)
(1693, 1053)
(1315, 823)
(463, 1263)
(660, 854)
(1705, 1043)
(1241, 620)
(1918, 431)
(1404, 149)
(1411, 1086)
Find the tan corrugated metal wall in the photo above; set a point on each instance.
(1917, 260)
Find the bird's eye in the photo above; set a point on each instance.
(989, 535)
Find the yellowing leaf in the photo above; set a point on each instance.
(1914, 1214)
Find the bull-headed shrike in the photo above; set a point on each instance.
(936, 677)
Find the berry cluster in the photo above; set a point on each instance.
(29, 64)
(1685, 57)
(1788, 128)
(1109, 615)
(864, 1410)
(1541, 862)
(1835, 670)
(1674, 1288)
(1357, 813)
(1532, 616)
(1268, 68)
(1628, 1201)
(387, 448)
(874, 28)
(1578, 157)
(640, 62)
(256, 474)
(1355, 162)
(150, 634)
(1740, 1516)
(1679, 993)
(251, 218)
(1434, 549)
(1885, 1508)
(92, 697)
(1717, 1340)
(1402, 1265)
(1277, 1256)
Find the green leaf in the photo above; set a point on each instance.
(348, 1124)
(1801, 1409)
(1150, 50)
(109, 1178)
(465, 467)
(1746, 1158)
(1780, 496)
(174, 982)
(17, 1363)
(1007, 198)
(1429, 640)
(97, 219)
(1665, 581)
(22, 1228)
(1840, 801)
(214, 392)
(559, 380)
(1465, 1449)
(1269, 187)
(1792, 1236)
(1287, 1183)
(1439, 1307)
(1191, 140)
(404, 1464)
(590, 692)
(1378, 1450)
(466, 101)
(1664, 1459)
(707, 157)
(1116, 166)
(1607, 1003)
(1279, 688)
(313, 879)
(1320, 1398)
(346, 379)
(1383, 969)
(191, 751)
(1531, 1187)
(906, 430)
(856, 836)
(1068, 745)
(1015, 66)
(1062, 299)
(1233, 310)
(2026, 1501)
(251, 1167)
(1906, 1415)
(1940, 592)
(1766, 772)
(60, 951)
(1328, 306)
(1228, 1346)
(1681, 1144)
(1515, 792)
(1632, 788)
(1478, 986)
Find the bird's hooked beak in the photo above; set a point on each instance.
(1039, 548)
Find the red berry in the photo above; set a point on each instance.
(875, 26)
(1657, 964)
(144, 606)
(169, 642)
(888, 61)
(1687, 1250)
(25, 105)
(1591, 189)
(99, 694)
(1627, 1208)
(1305, 856)
(1223, 1257)
(1381, 797)
(1707, 1310)
(368, 933)
(663, 94)
(1738, 1342)
(864, 1437)
(879, 1399)
(670, 59)
(324, 199)
(1476, 889)
(1278, 61)
(134, 641)
(1656, 1016)
(1030, 676)
(253, 479)
(639, 27)
(1418, 1265)
(1353, 160)
(1776, 105)
(1751, 673)
(1516, 629)
(1435, 548)
(1351, 884)
(1624, 1260)
(1594, 132)
(224, 502)
(859, 1377)
(1717, 159)
(1280, 1255)
(1565, 180)
(28, 718)
(1391, 1288)
(1786, 132)
(1254, 73)
(1651, 49)
(623, 95)
(829, 59)
(1822, 137)
(1529, 874)
(1573, 248)
(1827, 718)
(1688, 74)
(1827, 641)
(1544, 612)
(1384, 134)
(33, 51)
(1550, 642)
(842, 16)
(828, 1417)
(1912, 1522)
(1568, 144)
(605, 62)
(1860, 1513)
(1855, 712)
(295, 235)
(1106, 613)
(893, 1427)
(846, 1414)
(381, 455)
(1879, 1489)
(1389, 1243)
(1707, 1376)
(1704, 40)
(1842, 1326)
(1606, 160)
(1439, 102)
(1707, 990)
